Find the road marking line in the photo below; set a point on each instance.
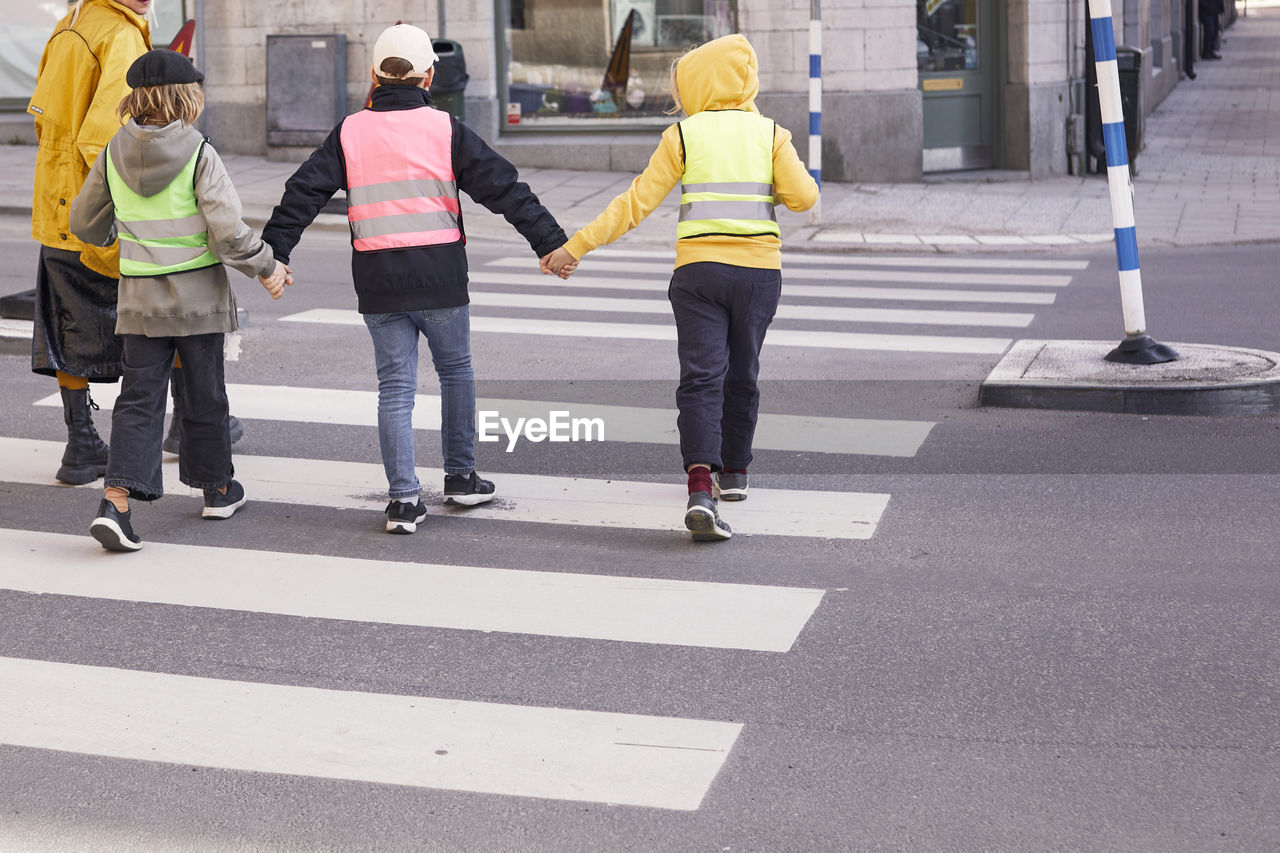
(824, 313)
(789, 291)
(492, 748)
(530, 498)
(803, 433)
(667, 332)
(844, 274)
(843, 259)
(467, 598)
(16, 329)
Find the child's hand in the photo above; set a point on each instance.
(559, 262)
(275, 282)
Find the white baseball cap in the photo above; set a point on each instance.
(406, 42)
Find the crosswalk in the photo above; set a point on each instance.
(486, 746)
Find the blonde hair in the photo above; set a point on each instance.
(75, 12)
(163, 104)
(677, 106)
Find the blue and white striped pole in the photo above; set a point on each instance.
(1137, 347)
(815, 102)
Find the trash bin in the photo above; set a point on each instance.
(1129, 70)
(1129, 66)
(451, 78)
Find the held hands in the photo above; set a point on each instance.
(275, 282)
(559, 262)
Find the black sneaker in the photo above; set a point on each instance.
(112, 528)
(731, 486)
(703, 521)
(405, 518)
(217, 505)
(173, 441)
(467, 489)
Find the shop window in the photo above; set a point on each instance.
(29, 25)
(593, 63)
(947, 35)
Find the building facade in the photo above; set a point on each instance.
(909, 86)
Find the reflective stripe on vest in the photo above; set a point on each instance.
(163, 233)
(727, 187)
(401, 191)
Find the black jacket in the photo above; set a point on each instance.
(422, 278)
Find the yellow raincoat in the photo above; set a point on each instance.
(79, 87)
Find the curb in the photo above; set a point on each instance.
(1073, 376)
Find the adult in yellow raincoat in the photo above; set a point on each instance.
(80, 84)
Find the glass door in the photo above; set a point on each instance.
(956, 57)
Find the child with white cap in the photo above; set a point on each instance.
(402, 164)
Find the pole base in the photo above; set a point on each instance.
(1141, 349)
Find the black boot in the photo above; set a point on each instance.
(85, 458)
(173, 441)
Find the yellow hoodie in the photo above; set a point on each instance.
(720, 75)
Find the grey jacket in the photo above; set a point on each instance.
(198, 302)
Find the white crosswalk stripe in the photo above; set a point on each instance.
(486, 747)
(533, 749)
(548, 603)
(587, 282)
(667, 332)
(616, 504)
(861, 436)
(842, 272)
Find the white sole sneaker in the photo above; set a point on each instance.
(704, 525)
(405, 525)
(468, 500)
(111, 537)
(220, 512)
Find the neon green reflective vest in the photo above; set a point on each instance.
(727, 186)
(160, 234)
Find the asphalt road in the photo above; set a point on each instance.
(1061, 633)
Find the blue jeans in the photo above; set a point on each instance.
(395, 348)
(722, 313)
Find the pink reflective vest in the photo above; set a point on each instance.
(401, 192)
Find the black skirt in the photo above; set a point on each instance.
(75, 319)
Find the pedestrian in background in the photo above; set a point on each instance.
(163, 190)
(402, 164)
(1211, 19)
(80, 82)
(734, 165)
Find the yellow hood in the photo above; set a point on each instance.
(721, 75)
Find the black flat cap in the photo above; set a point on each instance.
(161, 68)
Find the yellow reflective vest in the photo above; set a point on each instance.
(727, 185)
(164, 233)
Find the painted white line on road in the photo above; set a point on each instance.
(841, 273)
(844, 259)
(553, 753)
(789, 291)
(823, 313)
(468, 598)
(529, 498)
(803, 433)
(17, 329)
(655, 332)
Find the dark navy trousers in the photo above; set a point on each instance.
(722, 313)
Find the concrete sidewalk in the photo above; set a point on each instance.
(1210, 174)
